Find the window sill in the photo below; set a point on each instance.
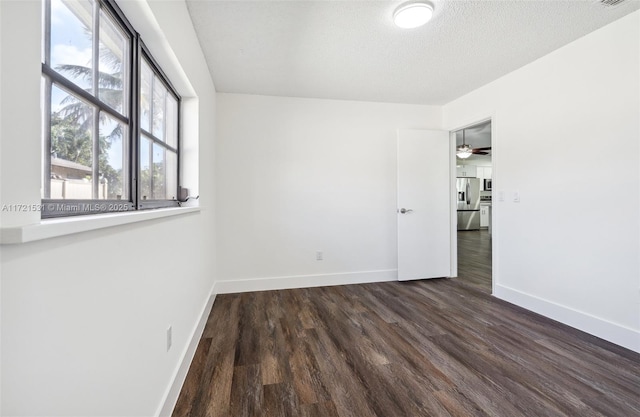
(50, 228)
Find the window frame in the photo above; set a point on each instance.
(145, 54)
(55, 208)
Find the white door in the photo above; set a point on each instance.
(424, 212)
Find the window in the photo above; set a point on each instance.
(111, 117)
(159, 136)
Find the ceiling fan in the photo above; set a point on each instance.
(464, 151)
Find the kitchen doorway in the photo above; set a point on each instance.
(473, 197)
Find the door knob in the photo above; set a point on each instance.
(405, 211)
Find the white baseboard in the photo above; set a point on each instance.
(304, 281)
(612, 332)
(171, 396)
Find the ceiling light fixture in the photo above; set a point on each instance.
(464, 151)
(413, 14)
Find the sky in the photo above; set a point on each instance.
(71, 43)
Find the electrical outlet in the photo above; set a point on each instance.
(169, 338)
(319, 256)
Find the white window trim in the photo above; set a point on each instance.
(63, 226)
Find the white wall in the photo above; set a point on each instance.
(296, 176)
(566, 136)
(84, 316)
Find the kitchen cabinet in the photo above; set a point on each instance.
(466, 171)
(483, 172)
(484, 215)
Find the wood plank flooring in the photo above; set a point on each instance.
(474, 258)
(440, 347)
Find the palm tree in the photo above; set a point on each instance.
(110, 88)
(70, 126)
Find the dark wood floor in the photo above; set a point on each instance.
(474, 259)
(442, 347)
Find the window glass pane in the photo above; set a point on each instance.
(71, 40)
(146, 78)
(159, 94)
(159, 178)
(145, 169)
(172, 175)
(113, 159)
(114, 49)
(71, 146)
(172, 121)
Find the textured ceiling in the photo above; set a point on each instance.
(351, 50)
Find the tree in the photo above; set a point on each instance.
(71, 126)
(157, 174)
(72, 143)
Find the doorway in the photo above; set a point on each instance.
(473, 196)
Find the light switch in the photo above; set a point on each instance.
(516, 196)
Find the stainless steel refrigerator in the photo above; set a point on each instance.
(468, 203)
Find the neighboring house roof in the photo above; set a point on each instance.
(70, 164)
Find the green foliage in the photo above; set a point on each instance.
(71, 142)
(157, 174)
